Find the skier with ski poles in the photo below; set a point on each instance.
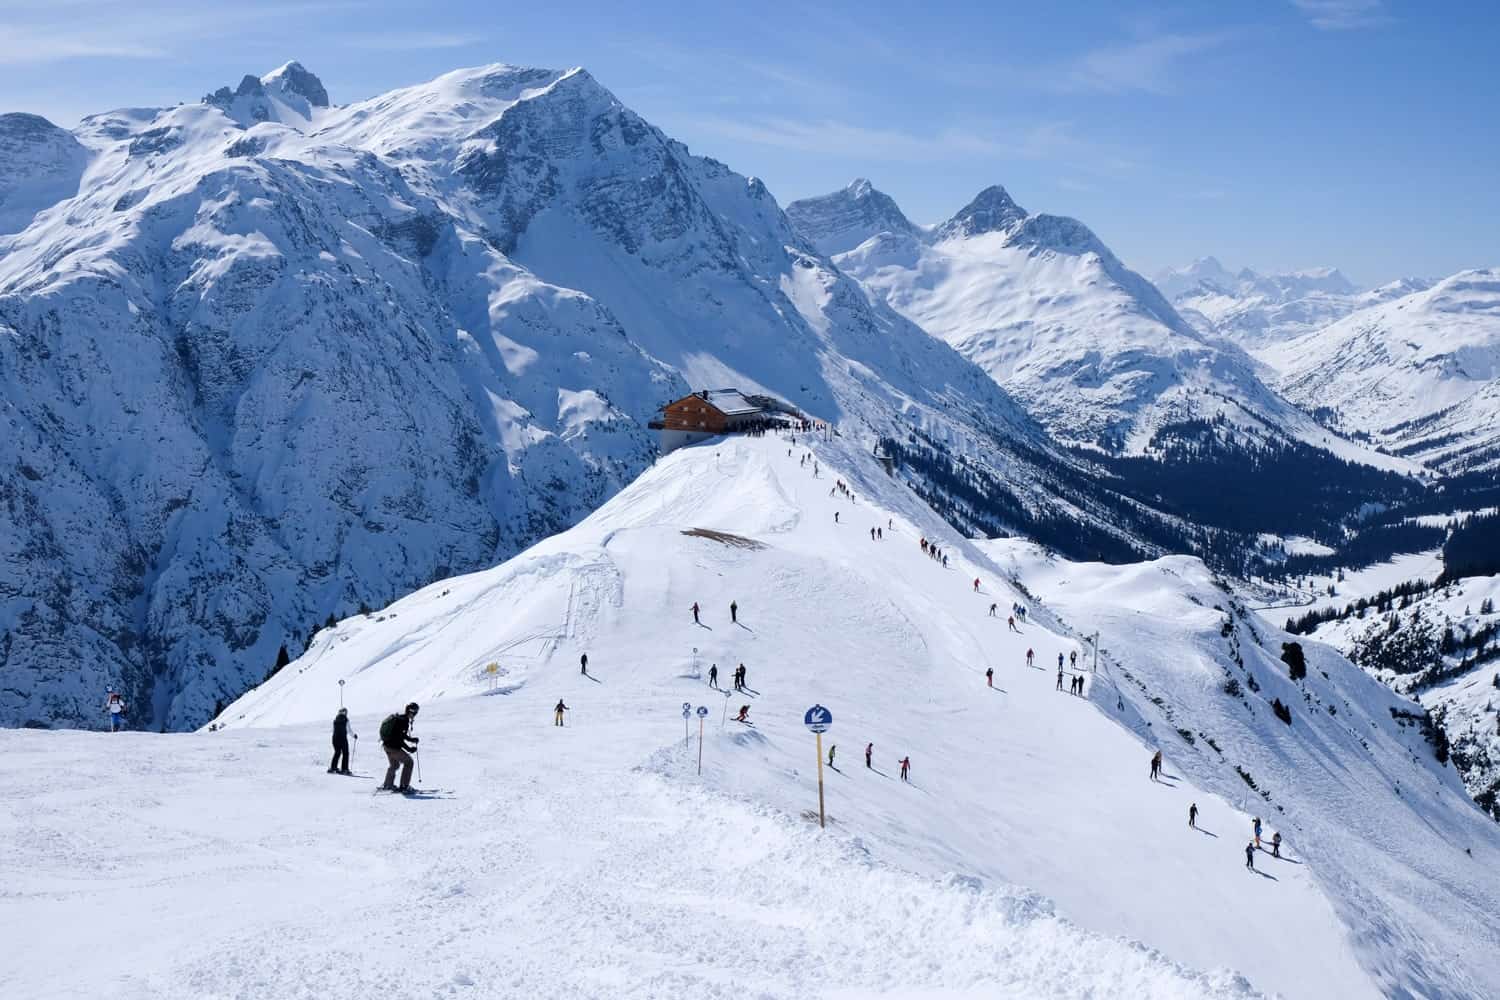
(341, 734)
(905, 767)
(399, 745)
(557, 713)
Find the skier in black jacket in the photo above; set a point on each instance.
(396, 738)
(341, 734)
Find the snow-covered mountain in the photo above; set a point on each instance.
(1420, 374)
(267, 359)
(1019, 792)
(1258, 311)
(1092, 349)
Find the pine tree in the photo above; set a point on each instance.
(1295, 660)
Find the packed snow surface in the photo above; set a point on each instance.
(1028, 856)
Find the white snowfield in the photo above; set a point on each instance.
(1029, 855)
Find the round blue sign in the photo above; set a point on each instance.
(818, 719)
(702, 711)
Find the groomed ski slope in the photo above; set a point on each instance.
(1029, 856)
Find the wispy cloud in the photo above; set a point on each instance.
(411, 41)
(1343, 15)
(1145, 65)
(21, 46)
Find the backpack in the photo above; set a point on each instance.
(390, 729)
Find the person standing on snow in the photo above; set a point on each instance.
(993, 608)
(396, 739)
(1256, 828)
(1059, 661)
(713, 676)
(869, 749)
(905, 767)
(1073, 659)
(340, 763)
(1276, 844)
(831, 748)
(1011, 621)
(1250, 855)
(743, 673)
(976, 585)
(1059, 678)
(115, 706)
(989, 676)
(1193, 815)
(695, 614)
(879, 535)
(557, 713)
(734, 612)
(1030, 656)
(835, 517)
(583, 661)
(1155, 765)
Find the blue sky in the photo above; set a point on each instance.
(1278, 133)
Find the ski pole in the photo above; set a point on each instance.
(418, 754)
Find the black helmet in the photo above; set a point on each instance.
(411, 709)
(343, 711)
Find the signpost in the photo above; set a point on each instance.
(724, 721)
(818, 719)
(687, 712)
(341, 692)
(702, 711)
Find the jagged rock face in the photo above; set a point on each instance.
(992, 211)
(40, 166)
(844, 219)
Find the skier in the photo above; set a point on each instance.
(695, 614)
(976, 585)
(945, 562)
(340, 763)
(1193, 815)
(872, 534)
(396, 739)
(905, 767)
(993, 608)
(869, 749)
(1256, 827)
(1276, 844)
(557, 713)
(1011, 622)
(989, 676)
(713, 676)
(583, 661)
(744, 715)
(879, 535)
(1059, 661)
(831, 748)
(1030, 655)
(115, 706)
(835, 517)
(1155, 765)
(924, 546)
(1073, 659)
(1250, 855)
(741, 680)
(734, 612)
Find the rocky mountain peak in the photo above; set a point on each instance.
(993, 210)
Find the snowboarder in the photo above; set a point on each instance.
(340, 763)
(1155, 765)
(396, 739)
(905, 767)
(744, 715)
(734, 612)
(695, 614)
(993, 608)
(1250, 855)
(557, 713)
(1256, 827)
(1276, 844)
(989, 676)
(583, 661)
(831, 748)
(1030, 655)
(115, 706)
(869, 749)
(1193, 815)
(713, 676)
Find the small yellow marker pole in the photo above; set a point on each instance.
(819, 738)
